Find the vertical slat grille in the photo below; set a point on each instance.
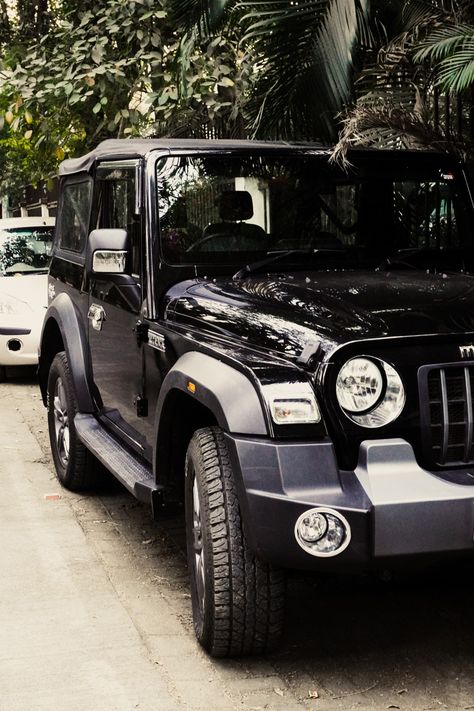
(451, 415)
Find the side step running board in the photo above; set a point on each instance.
(127, 468)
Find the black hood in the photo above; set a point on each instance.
(284, 312)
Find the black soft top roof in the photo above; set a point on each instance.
(139, 147)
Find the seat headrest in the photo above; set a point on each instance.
(235, 205)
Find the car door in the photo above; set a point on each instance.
(115, 304)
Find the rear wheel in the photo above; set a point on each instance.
(238, 600)
(75, 465)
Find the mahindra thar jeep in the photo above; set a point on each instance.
(284, 345)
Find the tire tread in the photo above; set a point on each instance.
(248, 594)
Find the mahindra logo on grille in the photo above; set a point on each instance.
(467, 351)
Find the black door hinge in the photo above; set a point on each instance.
(141, 403)
(141, 332)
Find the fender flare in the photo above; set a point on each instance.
(225, 391)
(67, 317)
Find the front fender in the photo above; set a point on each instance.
(226, 392)
(63, 328)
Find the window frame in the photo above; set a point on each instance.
(137, 165)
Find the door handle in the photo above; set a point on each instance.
(96, 316)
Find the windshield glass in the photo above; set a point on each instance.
(397, 212)
(25, 249)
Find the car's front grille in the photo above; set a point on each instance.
(447, 413)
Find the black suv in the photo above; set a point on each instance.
(286, 346)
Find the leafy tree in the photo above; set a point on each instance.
(86, 79)
(94, 63)
(111, 70)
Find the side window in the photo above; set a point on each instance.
(73, 223)
(116, 205)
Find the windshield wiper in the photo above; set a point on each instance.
(277, 256)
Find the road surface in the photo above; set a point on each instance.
(95, 611)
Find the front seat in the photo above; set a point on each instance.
(232, 232)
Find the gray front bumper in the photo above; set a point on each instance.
(394, 507)
(414, 511)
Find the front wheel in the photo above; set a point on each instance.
(75, 465)
(237, 600)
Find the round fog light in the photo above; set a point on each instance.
(313, 527)
(322, 532)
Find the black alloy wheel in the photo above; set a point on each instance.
(75, 466)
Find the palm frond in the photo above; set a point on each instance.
(205, 15)
(393, 77)
(456, 73)
(306, 53)
(451, 50)
(443, 41)
(417, 13)
(393, 127)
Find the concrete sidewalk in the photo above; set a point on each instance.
(94, 603)
(67, 642)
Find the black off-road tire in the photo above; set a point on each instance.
(79, 470)
(239, 608)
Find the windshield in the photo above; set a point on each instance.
(401, 211)
(25, 249)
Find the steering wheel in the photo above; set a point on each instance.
(207, 238)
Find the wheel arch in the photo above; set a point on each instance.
(181, 416)
(201, 391)
(63, 330)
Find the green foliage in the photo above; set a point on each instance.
(214, 75)
(451, 50)
(208, 81)
(297, 58)
(113, 69)
(98, 62)
(72, 73)
(204, 15)
(89, 78)
(306, 53)
(432, 48)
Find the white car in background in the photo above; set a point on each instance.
(25, 249)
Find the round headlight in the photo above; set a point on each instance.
(359, 385)
(370, 392)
